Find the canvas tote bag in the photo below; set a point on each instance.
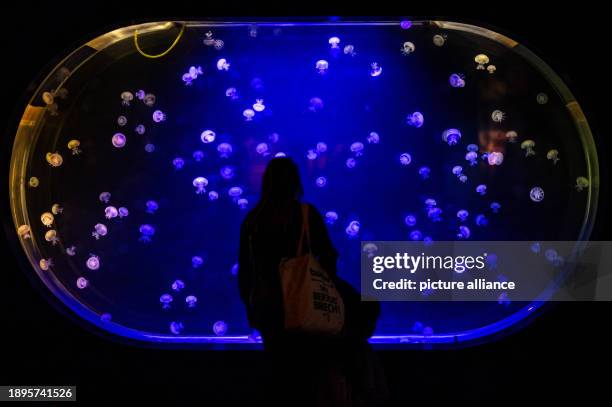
(311, 302)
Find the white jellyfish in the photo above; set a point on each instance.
(220, 328)
(405, 159)
(321, 147)
(51, 237)
(481, 60)
(498, 116)
(334, 42)
(47, 219)
(511, 136)
(119, 140)
(407, 48)
(93, 262)
(542, 98)
(349, 50)
(357, 148)
(351, 162)
(100, 230)
(149, 99)
(126, 98)
(491, 69)
(82, 283)
(481, 189)
(331, 217)
(56, 209)
(232, 93)
(369, 249)
(208, 136)
(105, 197)
(242, 203)
(495, 158)
(223, 65)
(321, 182)
(54, 159)
(373, 138)
(536, 194)
(191, 301)
(140, 129)
(322, 66)
(48, 98)
(224, 150)
(582, 183)
(262, 149)
(33, 182)
(248, 114)
(439, 40)
(71, 250)
(315, 104)
(121, 121)
(528, 146)
(45, 264)
(451, 136)
(200, 184)
(352, 230)
(375, 69)
(176, 327)
(259, 106)
(73, 145)
(234, 192)
(457, 80)
(553, 155)
(123, 212)
(149, 148)
(158, 116)
(415, 119)
(111, 212)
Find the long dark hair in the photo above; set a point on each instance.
(281, 182)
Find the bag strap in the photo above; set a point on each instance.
(305, 231)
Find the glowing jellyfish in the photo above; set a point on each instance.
(93, 262)
(495, 207)
(535, 247)
(195, 71)
(234, 192)
(375, 69)
(416, 235)
(457, 80)
(410, 220)
(73, 145)
(223, 65)
(528, 146)
(451, 136)
(178, 285)
(491, 69)
(100, 230)
(582, 183)
(481, 220)
(481, 60)
(227, 172)
(146, 233)
(119, 140)
(45, 264)
(48, 98)
(47, 219)
(280, 154)
(357, 148)
(82, 283)
(176, 327)
(463, 178)
(415, 119)
(321, 147)
(311, 154)
(373, 138)
(218, 45)
(140, 129)
(435, 214)
(149, 148)
(121, 121)
(407, 48)
(166, 301)
(349, 50)
(105, 197)
(273, 137)
(178, 163)
(315, 104)
(111, 212)
(198, 155)
(511, 136)
(54, 159)
(464, 232)
(481, 189)
(430, 203)
(224, 150)
(498, 116)
(331, 217)
(152, 207)
(439, 40)
(191, 301)
(462, 214)
(405, 24)
(259, 106)
(322, 66)
(200, 184)
(51, 237)
(472, 158)
(234, 269)
(334, 42)
(149, 99)
(242, 203)
(370, 249)
(24, 232)
(536, 194)
(140, 95)
(424, 172)
(197, 262)
(33, 182)
(232, 93)
(262, 149)
(405, 159)
(126, 98)
(158, 116)
(213, 195)
(71, 251)
(321, 182)
(248, 114)
(542, 98)
(352, 230)
(188, 79)
(208, 136)
(220, 328)
(56, 209)
(553, 155)
(495, 158)
(351, 162)
(123, 212)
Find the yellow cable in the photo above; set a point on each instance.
(144, 54)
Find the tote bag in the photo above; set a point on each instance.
(311, 302)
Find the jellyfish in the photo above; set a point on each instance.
(54, 159)
(149, 148)
(166, 301)
(178, 285)
(198, 155)
(495, 158)
(375, 69)
(213, 195)
(464, 232)
(82, 283)
(457, 80)
(140, 129)
(196, 262)
(417, 327)
(424, 172)
(498, 116)
(159, 116)
(551, 255)
(321, 147)
(218, 45)
(119, 140)
(451, 136)
(416, 235)
(322, 66)
(227, 172)
(370, 249)
(535, 247)
(349, 50)
(457, 170)
(439, 40)
(220, 328)
(280, 154)
(273, 138)
(315, 104)
(152, 207)
(410, 220)
(495, 207)
(331, 217)
(176, 327)
(45, 264)
(481, 60)
(33, 182)
(357, 148)
(71, 251)
(462, 214)
(73, 145)
(47, 219)
(121, 121)
(149, 99)
(262, 149)
(481, 189)
(553, 155)
(481, 220)
(178, 163)
(352, 230)
(311, 154)
(321, 182)
(405, 159)
(224, 150)
(100, 230)
(200, 184)
(51, 237)
(242, 203)
(223, 65)
(351, 163)
(146, 233)
(208, 39)
(208, 136)
(430, 203)
(126, 98)
(536, 194)
(463, 178)
(93, 262)
(373, 138)
(140, 94)
(111, 212)
(188, 79)
(48, 98)
(491, 69)
(334, 42)
(234, 192)
(234, 269)
(191, 301)
(511, 136)
(232, 93)
(24, 232)
(435, 214)
(582, 183)
(472, 157)
(407, 48)
(193, 72)
(528, 146)
(259, 106)
(542, 98)
(248, 114)
(123, 212)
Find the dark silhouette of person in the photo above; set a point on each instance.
(304, 369)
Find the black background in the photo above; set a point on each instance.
(562, 355)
